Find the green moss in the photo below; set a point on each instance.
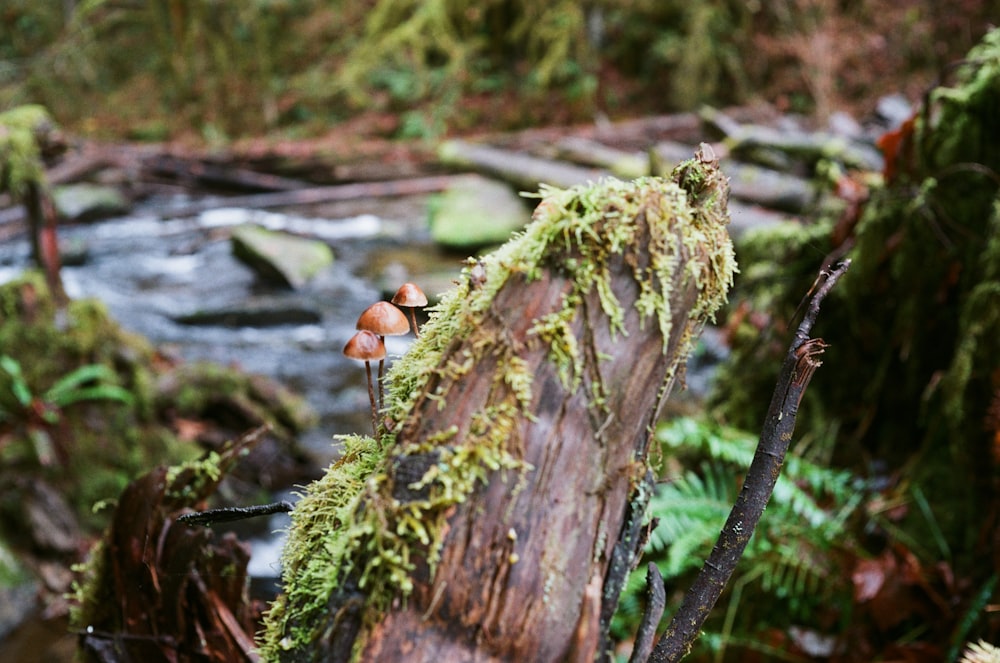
(349, 532)
(20, 156)
(95, 447)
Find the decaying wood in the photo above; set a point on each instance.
(622, 163)
(218, 174)
(42, 222)
(522, 170)
(530, 565)
(797, 370)
(165, 591)
(321, 194)
(743, 139)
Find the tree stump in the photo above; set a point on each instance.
(499, 512)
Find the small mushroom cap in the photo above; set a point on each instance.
(409, 294)
(384, 319)
(365, 346)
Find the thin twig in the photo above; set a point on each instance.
(231, 513)
(656, 601)
(800, 363)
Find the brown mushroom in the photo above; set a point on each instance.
(383, 319)
(366, 346)
(410, 296)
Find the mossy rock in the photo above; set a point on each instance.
(476, 212)
(279, 257)
(88, 202)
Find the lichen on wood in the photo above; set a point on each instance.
(535, 382)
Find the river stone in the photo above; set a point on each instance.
(263, 312)
(279, 257)
(88, 202)
(476, 212)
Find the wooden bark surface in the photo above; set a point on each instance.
(568, 515)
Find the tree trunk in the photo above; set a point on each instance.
(531, 394)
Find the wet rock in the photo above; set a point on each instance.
(89, 202)
(476, 212)
(263, 312)
(279, 257)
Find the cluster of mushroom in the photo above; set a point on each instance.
(379, 320)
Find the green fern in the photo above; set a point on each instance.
(786, 560)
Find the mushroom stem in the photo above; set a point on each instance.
(366, 346)
(381, 381)
(371, 398)
(413, 316)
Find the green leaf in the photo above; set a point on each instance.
(18, 385)
(69, 389)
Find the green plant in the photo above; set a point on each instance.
(77, 385)
(34, 413)
(789, 558)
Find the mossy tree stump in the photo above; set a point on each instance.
(500, 511)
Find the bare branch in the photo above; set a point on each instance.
(656, 602)
(800, 363)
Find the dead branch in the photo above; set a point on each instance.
(799, 365)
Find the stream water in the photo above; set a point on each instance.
(149, 269)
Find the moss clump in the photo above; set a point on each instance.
(354, 542)
(92, 448)
(20, 155)
(88, 449)
(913, 325)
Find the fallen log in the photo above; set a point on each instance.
(318, 195)
(522, 170)
(769, 188)
(622, 163)
(207, 173)
(500, 510)
(635, 133)
(744, 139)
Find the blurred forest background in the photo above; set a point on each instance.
(859, 540)
(217, 71)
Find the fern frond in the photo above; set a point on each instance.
(787, 558)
